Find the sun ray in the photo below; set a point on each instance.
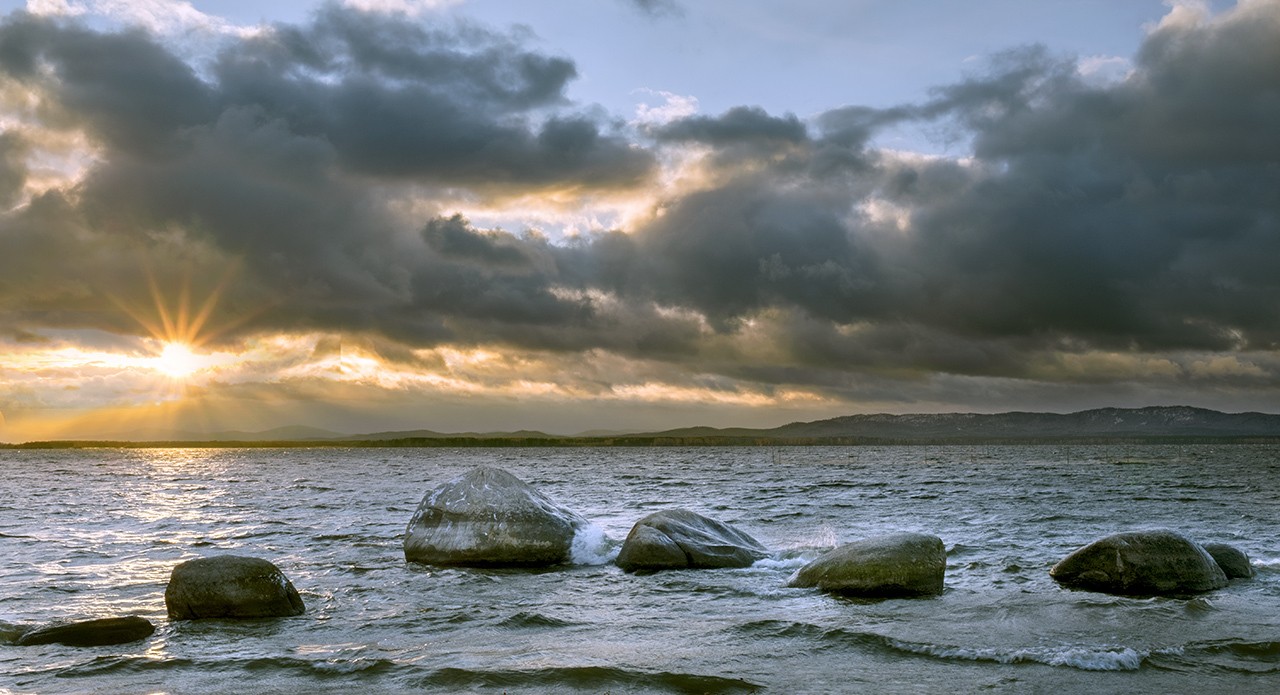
(195, 337)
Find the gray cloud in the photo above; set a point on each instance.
(737, 125)
(657, 8)
(1140, 217)
(1122, 217)
(399, 100)
(275, 157)
(13, 167)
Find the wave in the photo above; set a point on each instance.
(1084, 658)
(783, 562)
(1266, 650)
(781, 628)
(1231, 656)
(103, 665)
(587, 678)
(591, 546)
(1266, 563)
(525, 619)
(1081, 657)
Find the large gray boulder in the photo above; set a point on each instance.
(488, 517)
(90, 633)
(1233, 561)
(681, 539)
(230, 586)
(900, 564)
(1157, 562)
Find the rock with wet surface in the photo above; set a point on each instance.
(1233, 561)
(896, 565)
(230, 586)
(1157, 562)
(488, 517)
(681, 539)
(90, 633)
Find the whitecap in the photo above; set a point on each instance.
(1085, 658)
(1267, 563)
(592, 547)
(781, 563)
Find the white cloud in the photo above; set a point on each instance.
(409, 7)
(55, 8)
(1101, 70)
(673, 107)
(1183, 14)
(159, 16)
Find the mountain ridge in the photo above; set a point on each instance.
(1148, 422)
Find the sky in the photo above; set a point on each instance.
(577, 215)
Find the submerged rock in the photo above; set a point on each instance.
(90, 633)
(488, 517)
(681, 539)
(1234, 563)
(1141, 563)
(900, 564)
(230, 586)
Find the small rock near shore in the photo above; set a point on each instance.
(90, 633)
(489, 517)
(230, 586)
(1156, 562)
(681, 539)
(896, 565)
(1233, 561)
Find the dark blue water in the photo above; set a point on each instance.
(94, 533)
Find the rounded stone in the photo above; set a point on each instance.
(1156, 562)
(91, 633)
(681, 539)
(489, 517)
(230, 586)
(1233, 561)
(896, 565)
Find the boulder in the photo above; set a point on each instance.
(900, 564)
(91, 633)
(1234, 563)
(230, 586)
(681, 539)
(488, 517)
(1157, 562)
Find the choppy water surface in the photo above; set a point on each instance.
(94, 533)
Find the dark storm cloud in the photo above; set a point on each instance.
(1142, 215)
(13, 168)
(267, 157)
(399, 100)
(124, 88)
(737, 125)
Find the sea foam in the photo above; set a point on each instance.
(592, 547)
(1085, 658)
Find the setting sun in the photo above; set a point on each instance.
(177, 360)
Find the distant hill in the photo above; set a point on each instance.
(1152, 423)
(291, 433)
(1102, 423)
(431, 434)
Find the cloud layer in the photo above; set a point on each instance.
(1118, 232)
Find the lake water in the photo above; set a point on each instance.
(95, 533)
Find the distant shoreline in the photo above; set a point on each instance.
(642, 441)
